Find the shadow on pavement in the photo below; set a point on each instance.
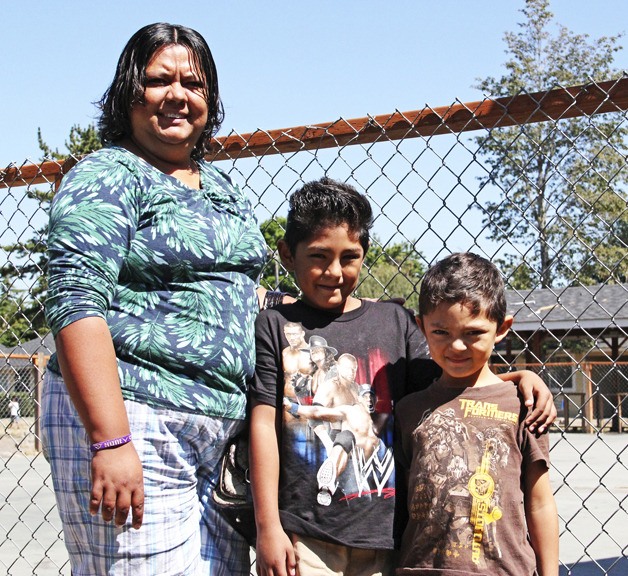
(605, 566)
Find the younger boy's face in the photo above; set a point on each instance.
(326, 268)
(461, 343)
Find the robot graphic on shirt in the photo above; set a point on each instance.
(457, 487)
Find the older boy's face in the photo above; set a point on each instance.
(327, 267)
(461, 343)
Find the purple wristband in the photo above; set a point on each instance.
(106, 444)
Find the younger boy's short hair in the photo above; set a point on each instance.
(324, 203)
(467, 279)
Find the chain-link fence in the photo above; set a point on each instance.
(536, 182)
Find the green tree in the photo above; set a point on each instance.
(23, 277)
(274, 275)
(20, 317)
(80, 141)
(561, 185)
(392, 271)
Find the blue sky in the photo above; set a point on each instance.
(280, 63)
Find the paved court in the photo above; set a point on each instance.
(590, 477)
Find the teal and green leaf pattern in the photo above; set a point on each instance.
(171, 269)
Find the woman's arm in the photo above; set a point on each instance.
(536, 395)
(274, 550)
(542, 518)
(92, 224)
(88, 365)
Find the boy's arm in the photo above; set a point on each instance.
(274, 550)
(536, 395)
(402, 467)
(271, 298)
(542, 518)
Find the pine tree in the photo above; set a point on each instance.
(23, 289)
(561, 185)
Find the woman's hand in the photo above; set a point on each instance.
(90, 372)
(536, 396)
(117, 485)
(274, 553)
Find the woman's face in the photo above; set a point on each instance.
(174, 112)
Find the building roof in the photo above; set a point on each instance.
(592, 308)
(45, 345)
(596, 308)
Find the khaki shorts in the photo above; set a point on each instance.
(318, 558)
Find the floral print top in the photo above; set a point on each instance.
(171, 269)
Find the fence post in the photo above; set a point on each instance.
(621, 396)
(588, 401)
(40, 366)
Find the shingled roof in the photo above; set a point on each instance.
(595, 308)
(46, 345)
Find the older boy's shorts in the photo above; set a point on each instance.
(319, 558)
(182, 532)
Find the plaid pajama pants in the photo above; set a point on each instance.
(182, 532)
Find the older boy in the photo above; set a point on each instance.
(328, 508)
(475, 475)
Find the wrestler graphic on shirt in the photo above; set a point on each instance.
(323, 358)
(297, 366)
(356, 434)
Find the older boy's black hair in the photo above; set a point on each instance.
(128, 85)
(324, 203)
(468, 279)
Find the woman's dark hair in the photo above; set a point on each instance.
(468, 279)
(324, 203)
(128, 85)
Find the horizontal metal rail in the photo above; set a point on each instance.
(561, 103)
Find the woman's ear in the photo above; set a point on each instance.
(285, 254)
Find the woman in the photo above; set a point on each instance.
(153, 259)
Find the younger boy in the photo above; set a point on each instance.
(475, 476)
(322, 468)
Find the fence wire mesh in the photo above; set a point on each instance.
(536, 182)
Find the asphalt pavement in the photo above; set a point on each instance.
(589, 475)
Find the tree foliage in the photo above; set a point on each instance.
(561, 185)
(392, 271)
(274, 275)
(21, 316)
(23, 288)
(80, 141)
